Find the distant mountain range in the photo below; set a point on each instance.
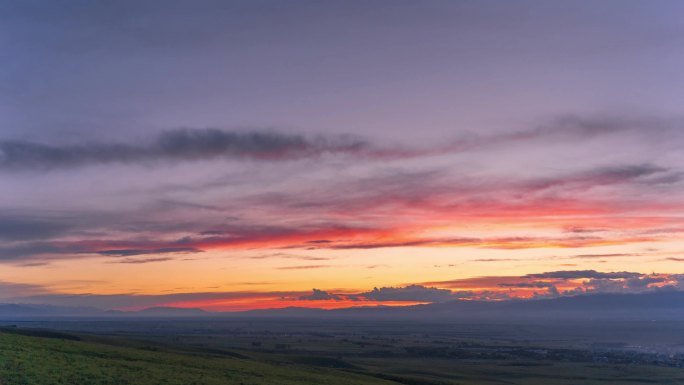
(15, 311)
(29, 311)
(649, 306)
(162, 311)
(646, 306)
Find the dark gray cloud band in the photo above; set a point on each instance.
(211, 143)
(134, 252)
(410, 293)
(589, 274)
(178, 145)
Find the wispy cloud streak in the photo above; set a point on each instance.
(177, 145)
(211, 143)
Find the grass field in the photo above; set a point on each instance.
(34, 357)
(46, 361)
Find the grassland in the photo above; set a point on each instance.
(29, 356)
(28, 360)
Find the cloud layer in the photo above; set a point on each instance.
(176, 145)
(381, 196)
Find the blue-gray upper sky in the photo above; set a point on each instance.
(393, 69)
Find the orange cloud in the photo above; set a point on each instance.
(267, 301)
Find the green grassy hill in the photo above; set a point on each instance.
(58, 359)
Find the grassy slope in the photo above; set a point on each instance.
(47, 361)
(54, 359)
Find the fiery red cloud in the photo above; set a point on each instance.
(570, 233)
(265, 301)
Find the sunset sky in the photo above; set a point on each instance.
(234, 155)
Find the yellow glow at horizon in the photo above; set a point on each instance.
(346, 270)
